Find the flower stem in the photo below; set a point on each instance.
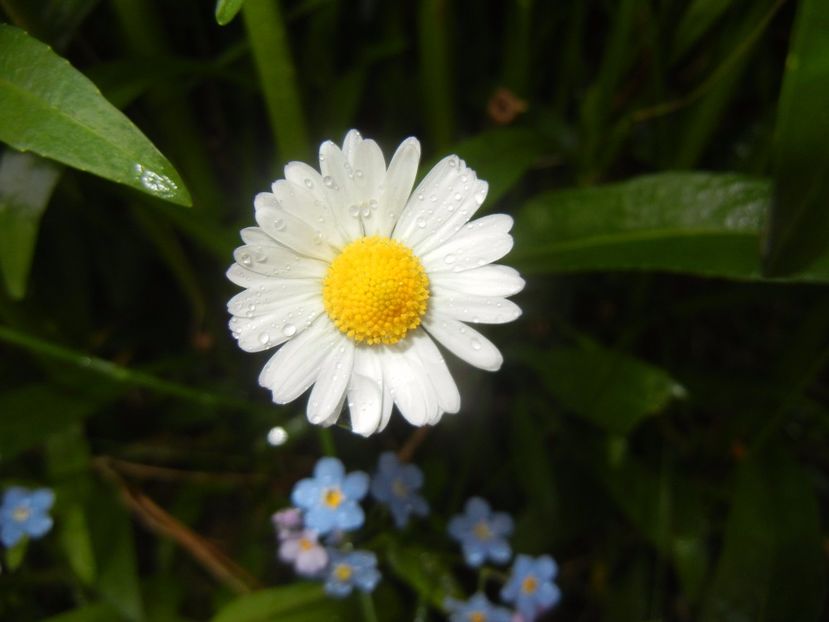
(367, 605)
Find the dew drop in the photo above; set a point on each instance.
(246, 260)
(279, 224)
(421, 222)
(329, 182)
(420, 196)
(264, 338)
(354, 210)
(366, 212)
(359, 173)
(308, 183)
(476, 344)
(450, 259)
(289, 330)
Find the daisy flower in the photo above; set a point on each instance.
(356, 276)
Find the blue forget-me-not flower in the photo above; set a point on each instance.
(396, 485)
(330, 499)
(476, 609)
(349, 570)
(25, 513)
(482, 533)
(530, 586)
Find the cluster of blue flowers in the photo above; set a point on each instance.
(327, 506)
(483, 535)
(312, 537)
(25, 513)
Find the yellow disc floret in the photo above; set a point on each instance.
(376, 290)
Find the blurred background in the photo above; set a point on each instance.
(661, 422)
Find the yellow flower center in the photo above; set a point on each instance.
(305, 544)
(477, 616)
(332, 497)
(376, 290)
(482, 530)
(529, 585)
(399, 489)
(21, 514)
(342, 572)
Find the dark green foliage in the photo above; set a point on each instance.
(661, 422)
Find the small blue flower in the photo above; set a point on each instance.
(396, 485)
(530, 586)
(482, 533)
(25, 513)
(349, 570)
(330, 498)
(476, 609)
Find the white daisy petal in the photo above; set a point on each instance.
(388, 406)
(477, 244)
(495, 280)
(463, 341)
(248, 278)
(271, 259)
(365, 392)
(409, 385)
(476, 309)
(265, 295)
(352, 139)
(296, 365)
(449, 398)
(328, 391)
(338, 182)
(441, 204)
(255, 236)
(293, 232)
(267, 330)
(400, 178)
(308, 203)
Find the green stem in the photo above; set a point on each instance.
(433, 29)
(119, 374)
(327, 442)
(367, 606)
(272, 55)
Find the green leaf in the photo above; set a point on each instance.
(614, 390)
(799, 231)
(26, 184)
(699, 223)
(424, 571)
(30, 414)
(98, 612)
(772, 567)
(226, 10)
(697, 19)
(48, 107)
(297, 602)
(502, 156)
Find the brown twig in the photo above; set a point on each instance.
(414, 441)
(158, 520)
(167, 474)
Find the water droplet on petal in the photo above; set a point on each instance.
(289, 330)
(476, 344)
(279, 224)
(245, 259)
(421, 222)
(264, 338)
(308, 183)
(359, 173)
(450, 259)
(329, 182)
(354, 210)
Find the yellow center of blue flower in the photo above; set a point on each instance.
(343, 572)
(399, 489)
(376, 290)
(482, 530)
(332, 497)
(477, 616)
(21, 513)
(529, 585)
(305, 544)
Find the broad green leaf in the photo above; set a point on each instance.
(502, 156)
(425, 571)
(799, 231)
(48, 107)
(98, 612)
(114, 547)
(226, 10)
(772, 567)
(614, 390)
(699, 223)
(31, 413)
(297, 602)
(26, 183)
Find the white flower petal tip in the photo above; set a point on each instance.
(323, 235)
